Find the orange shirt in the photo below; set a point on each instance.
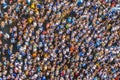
(72, 49)
(34, 54)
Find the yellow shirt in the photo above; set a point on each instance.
(30, 20)
(32, 5)
(97, 64)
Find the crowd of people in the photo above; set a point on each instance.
(59, 40)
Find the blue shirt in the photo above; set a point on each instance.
(38, 69)
(69, 20)
(79, 2)
(9, 52)
(38, 6)
(43, 78)
(28, 1)
(4, 5)
(81, 54)
(0, 78)
(95, 78)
